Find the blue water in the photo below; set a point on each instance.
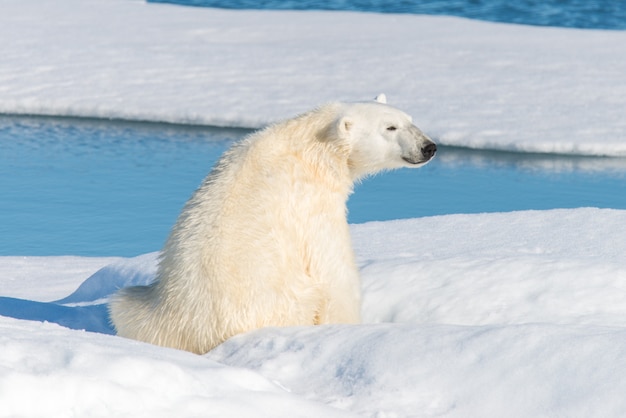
(95, 187)
(597, 14)
(100, 188)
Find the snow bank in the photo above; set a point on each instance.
(513, 314)
(467, 83)
(556, 266)
(49, 371)
(401, 370)
(21, 277)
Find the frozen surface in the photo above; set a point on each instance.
(519, 314)
(24, 277)
(467, 83)
(47, 370)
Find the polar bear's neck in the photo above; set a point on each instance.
(308, 144)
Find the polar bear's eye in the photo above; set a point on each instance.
(391, 128)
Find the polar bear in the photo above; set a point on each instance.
(264, 241)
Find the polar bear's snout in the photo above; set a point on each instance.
(416, 147)
(421, 152)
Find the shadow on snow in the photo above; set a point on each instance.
(85, 308)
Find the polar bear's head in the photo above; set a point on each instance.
(381, 137)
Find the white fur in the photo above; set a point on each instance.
(264, 241)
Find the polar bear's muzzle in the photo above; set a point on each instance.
(423, 155)
(417, 148)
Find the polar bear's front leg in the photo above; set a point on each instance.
(342, 299)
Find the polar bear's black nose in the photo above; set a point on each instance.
(429, 151)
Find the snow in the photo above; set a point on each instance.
(514, 314)
(444, 370)
(519, 314)
(467, 83)
(22, 276)
(47, 370)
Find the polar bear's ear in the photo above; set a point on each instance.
(338, 131)
(381, 98)
(344, 126)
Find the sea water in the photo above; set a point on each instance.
(590, 14)
(100, 188)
